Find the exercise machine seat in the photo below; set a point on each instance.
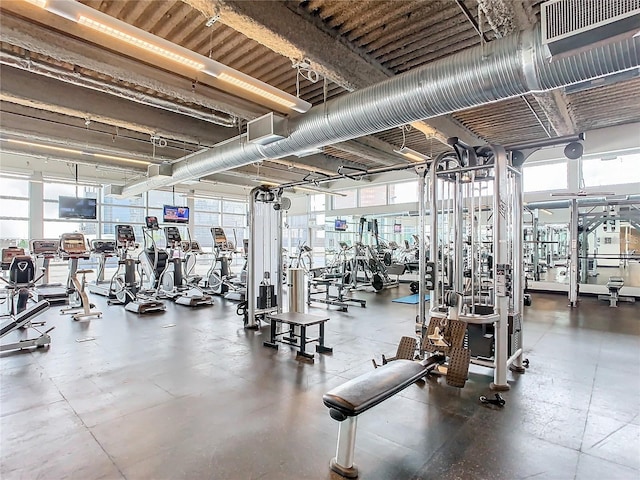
(614, 284)
(22, 270)
(368, 390)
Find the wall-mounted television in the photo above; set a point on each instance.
(397, 228)
(172, 214)
(73, 207)
(340, 225)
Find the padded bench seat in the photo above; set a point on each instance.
(360, 394)
(24, 316)
(368, 390)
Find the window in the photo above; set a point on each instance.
(317, 202)
(52, 191)
(15, 187)
(158, 198)
(14, 215)
(621, 170)
(372, 196)
(346, 201)
(406, 192)
(234, 207)
(207, 204)
(206, 218)
(15, 208)
(14, 233)
(540, 178)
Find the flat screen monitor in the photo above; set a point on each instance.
(152, 223)
(73, 207)
(397, 228)
(172, 214)
(340, 225)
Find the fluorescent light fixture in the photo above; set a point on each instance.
(47, 147)
(120, 159)
(548, 212)
(262, 92)
(138, 42)
(76, 152)
(430, 132)
(38, 3)
(119, 30)
(412, 154)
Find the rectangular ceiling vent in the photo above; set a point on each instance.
(573, 25)
(267, 129)
(113, 190)
(159, 170)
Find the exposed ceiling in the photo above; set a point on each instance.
(67, 87)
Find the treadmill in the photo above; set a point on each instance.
(54, 293)
(103, 249)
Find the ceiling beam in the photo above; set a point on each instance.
(43, 93)
(384, 156)
(320, 163)
(295, 34)
(506, 17)
(80, 54)
(49, 127)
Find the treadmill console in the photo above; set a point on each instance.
(103, 246)
(173, 237)
(152, 223)
(125, 236)
(45, 248)
(73, 245)
(8, 254)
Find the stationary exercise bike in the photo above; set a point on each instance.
(124, 283)
(74, 248)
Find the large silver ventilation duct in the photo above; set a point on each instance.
(504, 68)
(585, 202)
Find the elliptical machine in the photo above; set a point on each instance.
(183, 290)
(219, 279)
(163, 273)
(123, 283)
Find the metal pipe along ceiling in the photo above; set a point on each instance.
(504, 68)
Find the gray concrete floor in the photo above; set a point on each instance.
(189, 394)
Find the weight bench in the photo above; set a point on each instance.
(614, 285)
(360, 394)
(23, 320)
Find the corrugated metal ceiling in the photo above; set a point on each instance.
(395, 36)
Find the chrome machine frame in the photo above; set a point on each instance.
(265, 252)
(505, 303)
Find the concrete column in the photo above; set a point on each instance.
(36, 206)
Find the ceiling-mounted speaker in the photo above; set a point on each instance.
(573, 150)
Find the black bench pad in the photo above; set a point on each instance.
(368, 390)
(25, 315)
